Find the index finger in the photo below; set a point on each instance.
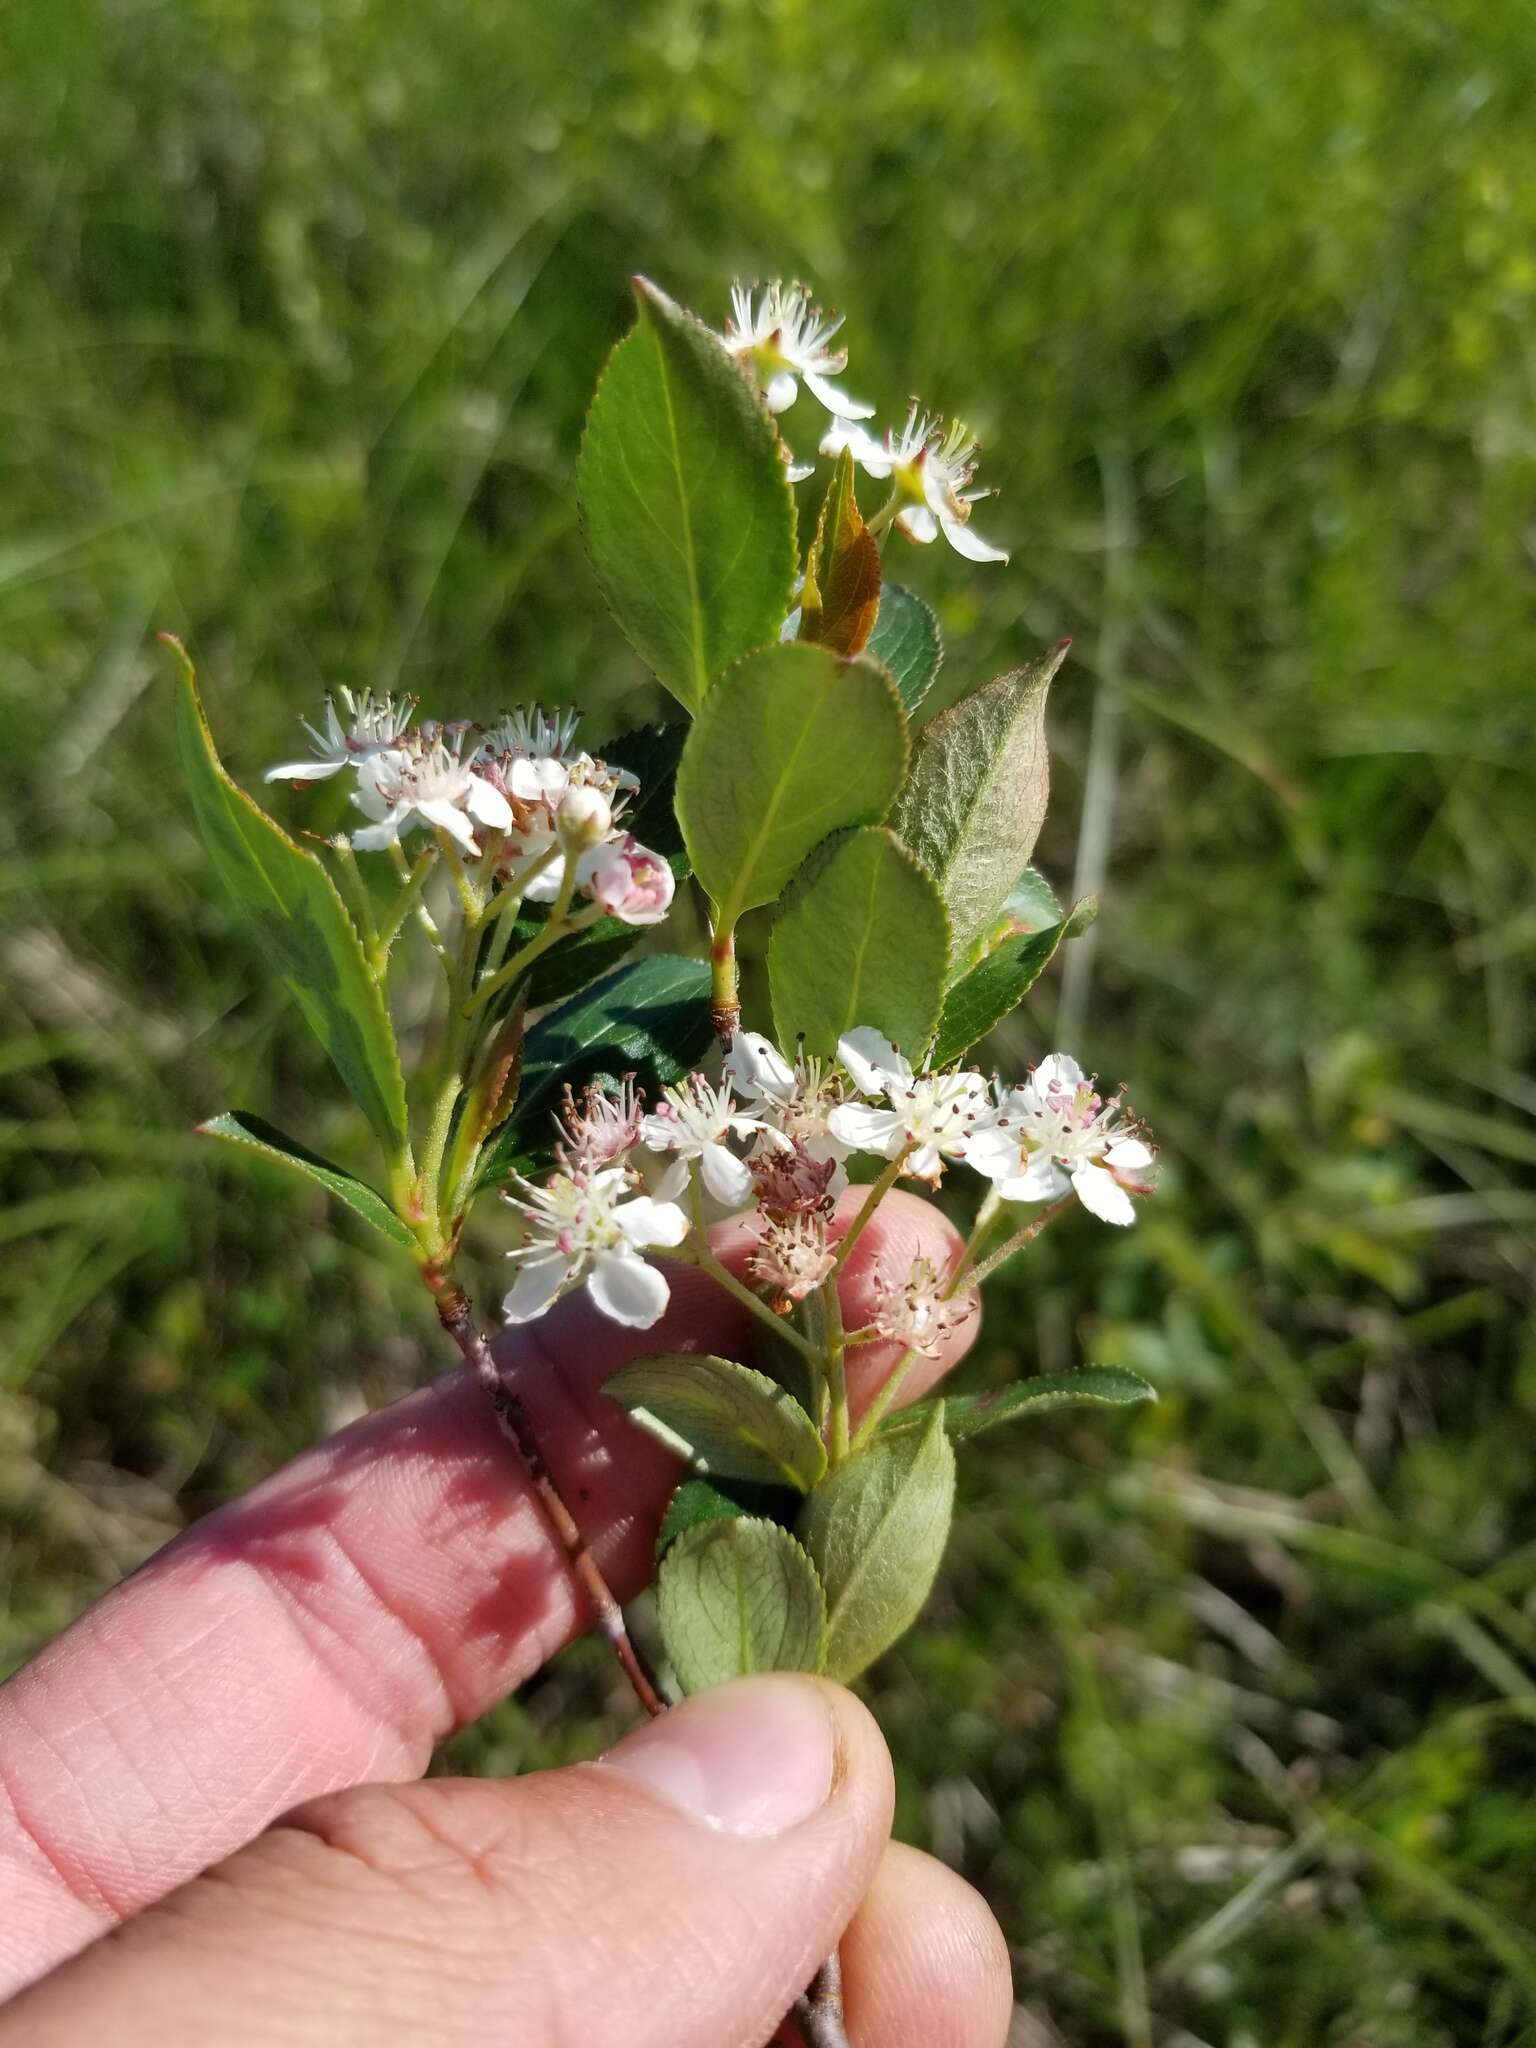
(333, 1626)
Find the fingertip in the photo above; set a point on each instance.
(925, 1964)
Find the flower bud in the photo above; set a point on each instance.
(585, 816)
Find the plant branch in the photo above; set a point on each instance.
(457, 1319)
(559, 925)
(818, 2011)
(1017, 1242)
(878, 1191)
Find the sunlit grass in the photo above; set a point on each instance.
(1227, 1706)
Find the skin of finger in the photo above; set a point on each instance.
(333, 1626)
(925, 1964)
(570, 1906)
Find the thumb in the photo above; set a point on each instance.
(679, 1892)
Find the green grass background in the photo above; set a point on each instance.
(1227, 1706)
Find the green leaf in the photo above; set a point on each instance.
(737, 1596)
(981, 999)
(688, 516)
(724, 1417)
(1089, 1386)
(973, 804)
(650, 752)
(1030, 905)
(300, 922)
(842, 571)
(694, 1503)
(649, 1019)
(792, 744)
(863, 939)
(908, 643)
(253, 1134)
(876, 1529)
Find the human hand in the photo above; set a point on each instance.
(314, 1641)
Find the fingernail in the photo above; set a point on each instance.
(753, 1758)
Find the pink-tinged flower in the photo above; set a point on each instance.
(915, 1313)
(927, 1117)
(791, 1259)
(588, 1225)
(429, 783)
(631, 883)
(1056, 1132)
(693, 1122)
(601, 1131)
(782, 340)
(373, 725)
(931, 468)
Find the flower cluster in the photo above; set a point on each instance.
(772, 1136)
(781, 341)
(554, 810)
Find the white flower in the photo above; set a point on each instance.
(579, 1224)
(429, 783)
(794, 1101)
(532, 735)
(781, 340)
(916, 1313)
(929, 1117)
(791, 1259)
(1056, 1132)
(931, 468)
(692, 1122)
(373, 725)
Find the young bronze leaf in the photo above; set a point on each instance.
(876, 1529)
(842, 570)
(737, 1596)
(974, 801)
(863, 939)
(792, 744)
(688, 517)
(723, 1417)
(299, 921)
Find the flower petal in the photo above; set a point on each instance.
(647, 1222)
(965, 540)
(485, 802)
(1057, 1074)
(1102, 1195)
(918, 523)
(1129, 1155)
(757, 1067)
(371, 837)
(992, 1153)
(872, 1060)
(539, 1280)
(838, 403)
(627, 1290)
(450, 819)
(303, 771)
(726, 1177)
(865, 1129)
(781, 392)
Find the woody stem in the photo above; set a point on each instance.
(457, 1319)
